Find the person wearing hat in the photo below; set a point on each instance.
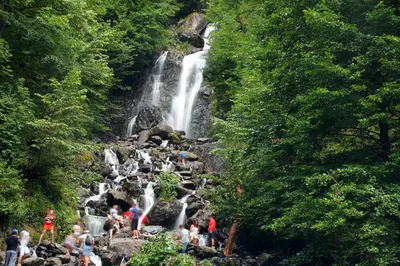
(12, 245)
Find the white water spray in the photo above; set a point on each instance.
(190, 83)
(149, 199)
(157, 74)
(181, 218)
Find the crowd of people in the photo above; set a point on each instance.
(81, 240)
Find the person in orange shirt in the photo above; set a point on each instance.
(212, 230)
(48, 224)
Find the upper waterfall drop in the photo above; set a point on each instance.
(190, 82)
(156, 76)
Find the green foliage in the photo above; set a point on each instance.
(306, 93)
(161, 250)
(62, 63)
(167, 185)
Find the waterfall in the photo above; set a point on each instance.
(156, 75)
(95, 259)
(164, 144)
(203, 240)
(130, 126)
(190, 82)
(181, 218)
(149, 199)
(143, 155)
(112, 160)
(167, 166)
(103, 188)
(95, 224)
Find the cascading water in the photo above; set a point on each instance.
(95, 224)
(168, 166)
(130, 126)
(142, 155)
(182, 215)
(156, 75)
(103, 188)
(112, 160)
(190, 83)
(149, 199)
(203, 240)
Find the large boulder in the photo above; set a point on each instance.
(143, 137)
(202, 217)
(147, 118)
(134, 188)
(164, 213)
(109, 258)
(119, 198)
(192, 27)
(33, 261)
(154, 229)
(125, 247)
(182, 191)
(161, 131)
(54, 261)
(156, 139)
(188, 184)
(193, 208)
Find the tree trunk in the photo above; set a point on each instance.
(231, 239)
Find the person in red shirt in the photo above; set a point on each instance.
(212, 229)
(143, 218)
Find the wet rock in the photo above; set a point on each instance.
(33, 261)
(182, 191)
(214, 163)
(164, 212)
(202, 217)
(125, 247)
(204, 140)
(191, 156)
(250, 262)
(147, 118)
(143, 137)
(134, 188)
(190, 30)
(55, 248)
(265, 259)
(145, 168)
(105, 170)
(197, 167)
(156, 139)
(183, 167)
(161, 131)
(95, 187)
(216, 261)
(188, 184)
(64, 258)
(204, 252)
(186, 174)
(102, 202)
(154, 229)
(119, 198)
(53, 261)
(192, 209)
(109, 258)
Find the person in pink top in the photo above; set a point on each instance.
(212, 230)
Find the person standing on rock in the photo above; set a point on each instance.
(212, 229)
(194, 232)
(184, 238)
(87, 248)
(48, 224)
(23, 247)
(12, 242)
(70, 242)
(135, 221)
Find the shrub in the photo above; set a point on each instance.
(167, 184)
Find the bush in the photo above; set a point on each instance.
(167, 184)
(161, 250)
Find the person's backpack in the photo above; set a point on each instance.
(88, 240)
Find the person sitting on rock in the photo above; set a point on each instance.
(114, 215)
(184, 239)
(182, 157)
(113, 226)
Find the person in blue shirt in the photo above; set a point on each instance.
(184, 238)
(135, 220)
